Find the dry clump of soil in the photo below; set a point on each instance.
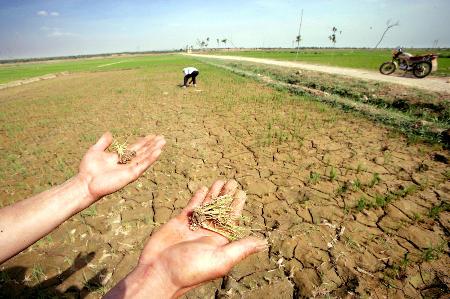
(125, 155)
(218, 216)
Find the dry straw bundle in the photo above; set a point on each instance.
(218, 216)
(125, 155)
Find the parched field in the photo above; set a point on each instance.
(350, 207)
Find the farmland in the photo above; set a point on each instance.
(350, 205)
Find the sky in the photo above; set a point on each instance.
(49, 28)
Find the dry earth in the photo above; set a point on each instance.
(432, 84)
(306, 168)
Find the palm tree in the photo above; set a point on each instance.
(218, 42)
(224, 41)
(332, 37)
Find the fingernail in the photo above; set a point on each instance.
(261, 244)
(240, 194)
(157, 152)
(160, 142)
(232, 181)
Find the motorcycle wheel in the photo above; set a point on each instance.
(387, 68)
(422, 69)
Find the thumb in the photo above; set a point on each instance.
(103, 143)
(196, 200)
(236, 251)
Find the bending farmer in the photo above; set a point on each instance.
(190, 72)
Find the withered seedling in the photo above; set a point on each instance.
(218, 216)
(125, 155)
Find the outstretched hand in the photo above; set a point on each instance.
(103, 174)
(176, 259)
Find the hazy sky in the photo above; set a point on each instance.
(66, 27)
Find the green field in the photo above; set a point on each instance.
(361, 59)
(19, 71)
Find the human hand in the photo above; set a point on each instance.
(176, 259)
(102, 174)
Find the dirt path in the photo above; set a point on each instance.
(31, 80)
(432, 84)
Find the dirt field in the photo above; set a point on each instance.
(350, 209)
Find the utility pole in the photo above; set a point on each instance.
(435, 43)
(299, 37)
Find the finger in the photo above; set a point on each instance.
(143, 143)
(239, 202)
(214, 191)
(196, 200)
(150, 150)
(103, 143)
(236, 251)
(229, 188)
(140, 142)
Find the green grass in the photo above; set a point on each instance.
(433, 252)
(352, 58)
(19, 71)
(362, 204)
(381, 201)
(375, 180)
(437, 209)
(333, 174)
(314, 177)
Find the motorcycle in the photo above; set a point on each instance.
(420, 66)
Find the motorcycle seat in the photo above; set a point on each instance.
(419, 57)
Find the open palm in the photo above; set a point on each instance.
(188, 257)
(104, 175)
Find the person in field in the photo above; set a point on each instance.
(175, 258)
(190, 73)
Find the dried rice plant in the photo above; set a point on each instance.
(218, 216)
(125, 155)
